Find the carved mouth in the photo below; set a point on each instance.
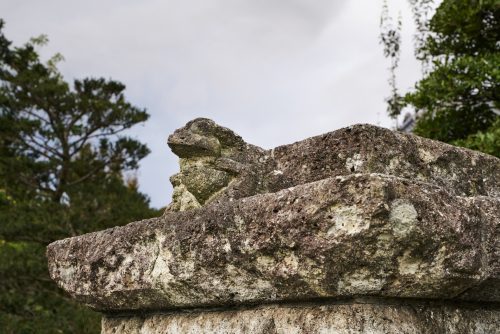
(189, 145)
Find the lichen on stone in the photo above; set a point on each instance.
(215, 163)
(359, 212)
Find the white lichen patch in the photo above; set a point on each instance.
(161, 270)
(446, 174)
(310, 209)
(226, 246)
(126, 274)
(426, 271)
(285, 264)
(426, 156)
(186, 267)
(288, 265)
(347, 220)
(408, 265)
(195, 161)
(123, 271)
(239, 222)
(403, 218)
(247, 246)
(384, 238)
(394, 163)
(437, 264)
(242, 284)
(291, 262)
(361, 281)
(354, 163)
(66, 275)
(385, 245)
(168, 274)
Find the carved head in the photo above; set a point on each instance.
(202, 137)
(208, 162)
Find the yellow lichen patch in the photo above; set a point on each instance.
(346, 220)
(265, 264)
(426, 156)
(409, 265)
(312, 273)
(360, 281)
(183, 199)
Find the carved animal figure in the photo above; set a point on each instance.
(216, 164)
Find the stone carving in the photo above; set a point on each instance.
(363, 225)
(216, 164)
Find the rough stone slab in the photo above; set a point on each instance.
(357, 235)
(489, 289)
(216, 165)
(339, 318)
(365, 148)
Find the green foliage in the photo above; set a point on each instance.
(487, 141)
(63, 157)
(464, 27)
(390, 38)
(457, 97)
(30, 302)
(458, 100)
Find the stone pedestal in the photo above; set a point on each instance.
(362, 230)
(372, 316)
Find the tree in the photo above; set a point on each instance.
(458, 99)
(63, 161)
(390, 37)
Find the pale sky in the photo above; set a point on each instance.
(274, 71)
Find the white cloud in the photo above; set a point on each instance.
(275, 71)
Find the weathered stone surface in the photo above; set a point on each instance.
(365, 148)
(217, 165)
(361, 230)
(383, 318)
(489, 289)
(364, 234)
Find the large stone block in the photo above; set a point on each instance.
(365, 148)
(359, 230)
(356, 235)
(374, 317)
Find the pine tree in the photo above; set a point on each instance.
(63, 160)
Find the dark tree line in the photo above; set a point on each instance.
(64, 155)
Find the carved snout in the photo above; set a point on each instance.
(186, 144)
